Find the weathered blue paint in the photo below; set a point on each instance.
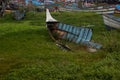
(60, 26)
(79, 35)
(88, 38)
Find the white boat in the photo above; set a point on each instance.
(111, 21)
(98, 11)
(105, 12)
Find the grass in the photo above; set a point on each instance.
(28, 53)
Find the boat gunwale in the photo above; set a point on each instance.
(108, 16)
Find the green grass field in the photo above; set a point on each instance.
(28, 53)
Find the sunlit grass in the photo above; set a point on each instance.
(28, 53)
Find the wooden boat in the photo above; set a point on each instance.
(79, 35)
(111, 22)
(98, 11)
(105, 12)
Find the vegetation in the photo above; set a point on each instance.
(28, 53)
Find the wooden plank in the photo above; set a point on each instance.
(80, 35)
(60, 26)
(67, 28)
(89, 35)
(85, 35)
(64, 27)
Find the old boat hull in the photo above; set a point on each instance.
(105, 12)
(98, 11)
(111, 21)
(60, 31)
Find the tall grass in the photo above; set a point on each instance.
(28, 53)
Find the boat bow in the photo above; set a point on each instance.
(49, 18)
